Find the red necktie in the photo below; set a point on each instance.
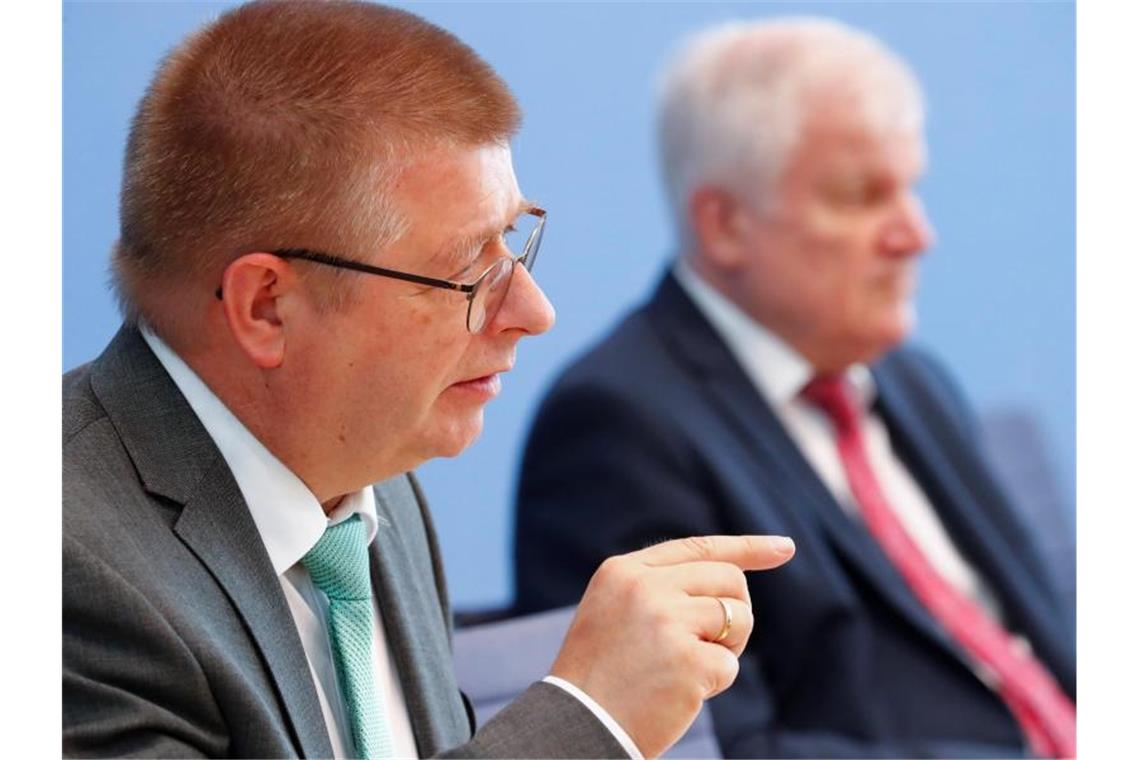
(1046, 715)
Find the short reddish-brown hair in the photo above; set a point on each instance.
(281, 124)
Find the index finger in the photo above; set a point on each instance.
(746, 552)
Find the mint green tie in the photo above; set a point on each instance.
(339, 567)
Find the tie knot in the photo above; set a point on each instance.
(338, 562)
(832, 395)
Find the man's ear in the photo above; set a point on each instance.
(253, 288)
(720, 225)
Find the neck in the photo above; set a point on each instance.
(333, 503)
(827, 357)
(259, 400)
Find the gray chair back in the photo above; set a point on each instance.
(1017, 449)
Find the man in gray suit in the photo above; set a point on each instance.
(309, 192)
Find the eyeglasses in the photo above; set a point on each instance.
(485, 296)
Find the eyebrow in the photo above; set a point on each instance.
(466, 248)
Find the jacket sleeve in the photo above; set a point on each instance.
(544, 722)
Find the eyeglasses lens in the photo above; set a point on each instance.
(523, 242)
(489, 295)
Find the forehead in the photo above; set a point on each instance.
(836, 136)
(453, 192)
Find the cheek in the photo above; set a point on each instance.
(822, 224)
(404, 362)
(435, 352)
(842, 251)
(827, 260)
(844, 243)
(426, 332)
(848, 283)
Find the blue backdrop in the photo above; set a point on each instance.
(997, 294)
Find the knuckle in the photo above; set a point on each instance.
(636, 588)
(700, 672)
(733, 580)
(689, 661)
(726, 673)
(720, 671)
(741, 583)
(761, 546)
(758, 546)
(747, 621)
(630, 585)
(612, 571)
(700, 547)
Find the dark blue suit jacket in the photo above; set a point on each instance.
(657, 433)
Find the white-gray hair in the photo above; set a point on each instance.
(731, 103)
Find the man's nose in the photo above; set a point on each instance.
(908, 231)
(526, 307)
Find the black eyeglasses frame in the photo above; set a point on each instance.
(526, 258)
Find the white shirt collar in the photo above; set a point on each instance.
(287, 514)
(775, 368)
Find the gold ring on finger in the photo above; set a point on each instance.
(724, 629)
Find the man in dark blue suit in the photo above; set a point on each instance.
(764, 389)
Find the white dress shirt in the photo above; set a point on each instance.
(290, 521)
(779, 374)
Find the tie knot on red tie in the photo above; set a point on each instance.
(832, 394)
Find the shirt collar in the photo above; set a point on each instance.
(777, 370)
(286, 513)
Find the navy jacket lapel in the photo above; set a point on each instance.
(177, 460)
(974, 510)
(787, 475)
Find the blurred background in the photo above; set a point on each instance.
(996, 300)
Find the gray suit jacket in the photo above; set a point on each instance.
(177, 639)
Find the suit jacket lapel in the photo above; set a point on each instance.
(217, 527)
(177, 460)
(951, 474)
(410, 610)
(785, 472)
